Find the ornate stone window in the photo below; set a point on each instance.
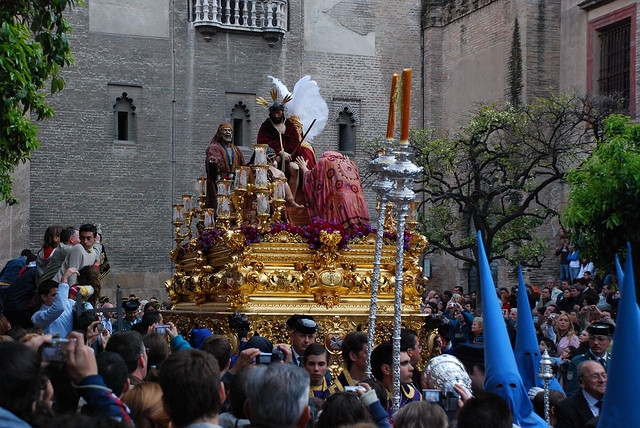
(241, 120)
(124, 115)
(346, 114)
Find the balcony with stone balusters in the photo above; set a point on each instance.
(262, 17)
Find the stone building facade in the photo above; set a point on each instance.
(154, 78)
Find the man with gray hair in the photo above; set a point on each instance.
(287, 382)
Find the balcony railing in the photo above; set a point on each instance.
(267, 17)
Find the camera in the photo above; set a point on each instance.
(354, 389)
(447, 398)
(268, 358)
(100, 327)
(56, 351)
(162, 329)
(450, 399)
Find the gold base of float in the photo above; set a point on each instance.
(270, 280)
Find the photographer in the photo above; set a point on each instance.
(460, 324)
(20, 394)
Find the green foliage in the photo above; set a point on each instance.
(604, 198)
(495, 173)
(34, 45)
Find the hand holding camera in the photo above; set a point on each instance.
(81, 360)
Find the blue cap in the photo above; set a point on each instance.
(624, 369)
(500, 369)
(198, 336)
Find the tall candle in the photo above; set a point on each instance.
(392, 105)
(406, 105)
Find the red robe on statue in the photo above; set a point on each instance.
(220, 163)
(334, 190)
(269, 135)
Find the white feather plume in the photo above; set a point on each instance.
(282, 89)
(306, 103)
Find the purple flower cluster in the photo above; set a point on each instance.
(390, 238)
(287, 227)
(251, 234)
(207, 239)
(317, 225)
(359, 231)
(310, 232)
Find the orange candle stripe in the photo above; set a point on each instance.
(392, 106)
(406, 105)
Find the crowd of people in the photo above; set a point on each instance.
(67, 360)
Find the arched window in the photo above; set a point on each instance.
(346, 131)
(240, 117)
(124, 119)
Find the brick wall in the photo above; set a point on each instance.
(180, 86)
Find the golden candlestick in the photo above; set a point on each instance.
(240, 205)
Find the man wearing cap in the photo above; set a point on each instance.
(131, 308)
(281, 135)
(600, 334)
(223, 158)
(303, 333)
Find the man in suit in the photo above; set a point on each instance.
(303, 333)
(575, 411)
(600, 334)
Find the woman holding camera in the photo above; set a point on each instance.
(559, 328)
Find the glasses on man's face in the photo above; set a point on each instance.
(597, 376)
(598, 338)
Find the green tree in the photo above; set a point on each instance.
(603, 210)
(34, 46)
(495, 175)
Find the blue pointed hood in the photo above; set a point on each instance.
(500, 369)
(624, 369)
(527, 351)
(619, 271)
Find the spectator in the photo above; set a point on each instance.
(20, 367)
(82, 254)
(68, 238)
(343, 408)
(131, 348)
(145, 404)
(55, 316)
(485, 410)
(192, 389)
(19, 296)
(237, 396)
(576, 410)
(10, 271)
(291, 409)
(560, 330)
(49, 247)
(421, 414)
(157, 353)
(113, 370)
